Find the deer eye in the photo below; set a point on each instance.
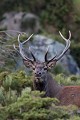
(33, 67)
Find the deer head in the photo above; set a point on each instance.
(40, 69)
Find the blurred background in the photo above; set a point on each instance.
(44, 18)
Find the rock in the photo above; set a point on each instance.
(30, 23)
(11, 21)
(20, 21)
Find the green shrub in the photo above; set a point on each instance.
(18, 101)
(31, 107)
(70, 80)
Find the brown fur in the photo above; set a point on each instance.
(69, 95)
(66, 94)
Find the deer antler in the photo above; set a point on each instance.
(20, 51)
(46, 60)
(56, 57)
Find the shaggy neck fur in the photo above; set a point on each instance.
(47, 84)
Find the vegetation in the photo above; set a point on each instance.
(19, 101)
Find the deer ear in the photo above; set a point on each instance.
(27, 63)
(51, 64)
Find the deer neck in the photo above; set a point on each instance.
(47, 84)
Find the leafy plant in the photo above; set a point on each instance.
(18, 101)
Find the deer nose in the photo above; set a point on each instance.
(38, 74)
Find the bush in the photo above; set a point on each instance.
(18, 101)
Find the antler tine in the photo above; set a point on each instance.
(46, 60)
(64, 37)
(69, 34)
(15, 48)
(57, 57)
(19, 52)
(52, 59)
(27, 39)
(21, 48)
(19, 39)
(68, 42)
(32, 54)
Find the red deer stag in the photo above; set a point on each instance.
(43, 80)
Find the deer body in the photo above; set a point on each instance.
(70, 95)
(43, 80)
(65, 94)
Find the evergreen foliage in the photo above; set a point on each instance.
(19, 101)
